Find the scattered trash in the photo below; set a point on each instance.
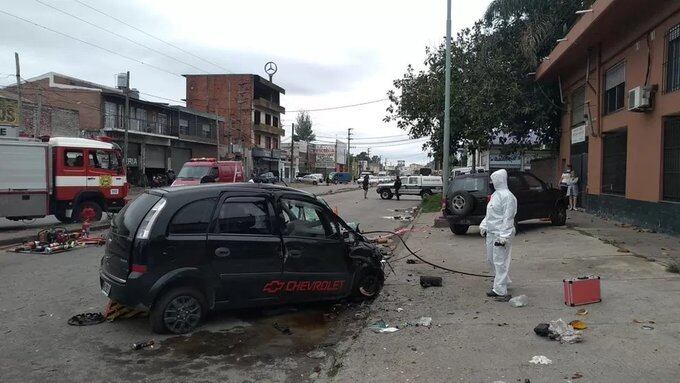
(283, 329)
(582, 312)
(115, 310)
(399, 309)
(540, 359)
(144, 344)
(622, 250)
(519, 301)
(58, 240)
(382, 327)
(424, 321)
(647, 327)
(411, 261)
(316, 354)
(576, 375)
(86, 319)
(360, 315)
(560, 330)
(430, 281)
(542, 329)
(578, 325)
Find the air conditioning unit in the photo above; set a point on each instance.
(640, 99)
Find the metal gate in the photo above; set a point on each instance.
(579, 163)
(155, 157)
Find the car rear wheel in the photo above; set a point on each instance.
(559, 216)
(368, 283)
(426, 193)
(459, 229)
(386, 194)
(461, 203)
(178, 311)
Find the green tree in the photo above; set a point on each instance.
(363, 156)
(303, 127)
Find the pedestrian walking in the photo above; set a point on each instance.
(498, 227)
(364, 185)
(397, 186)
(572, 189)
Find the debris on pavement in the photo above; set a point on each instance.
(424, 321)
(399, 309)
(430, 281)
(115, 310)
(560, 330)
(647, 327)
(519, 301)
(540, 359)
(58, 240)
(576, 375)
(86, 319)
(382, 327)
(542, 329)
(411, 261)
(283, 329)
(316, 354)
(582, 312)
(144, 344)
(578, 325)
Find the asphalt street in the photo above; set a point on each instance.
(39, 293)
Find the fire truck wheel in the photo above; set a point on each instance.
(86, 210)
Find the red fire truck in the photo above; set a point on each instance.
(69, 177)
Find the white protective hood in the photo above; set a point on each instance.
(499, 178)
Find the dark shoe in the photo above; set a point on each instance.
(492, 294)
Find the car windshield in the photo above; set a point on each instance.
(469, 184)
(193, 171)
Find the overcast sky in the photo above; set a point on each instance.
(329, 53)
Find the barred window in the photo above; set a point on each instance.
(614, 163)
(671, 160)
(673, 60)
(615, 88)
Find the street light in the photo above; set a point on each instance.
(447, 101)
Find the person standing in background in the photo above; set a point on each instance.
(564, 180)
(397, 186)
(364, 185)
(572, 189)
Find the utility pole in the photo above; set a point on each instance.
(292, 144)
(349, 138)
(37, 124)
(447, 101)
(218, 132)
(20, 119)
(127, 120)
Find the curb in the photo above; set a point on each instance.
(99, 226)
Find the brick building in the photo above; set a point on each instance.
(625, 150)
(252, 106)
(53, 121)
(160, 136)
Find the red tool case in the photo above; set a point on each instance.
(582, 290)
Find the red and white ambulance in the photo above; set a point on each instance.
(69, 177)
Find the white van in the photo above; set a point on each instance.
(412, 185)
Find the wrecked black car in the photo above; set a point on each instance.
(183, 251)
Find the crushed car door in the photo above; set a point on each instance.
(245, 250)
(315, 255)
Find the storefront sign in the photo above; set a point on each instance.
(9, 112)
(8, 131)
(324, 156)
(578, 134)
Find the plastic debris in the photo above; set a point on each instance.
(283, 329)
(582, 312)
(542, 329)
(647, 327)
(382, 327)
(429, 281)
(519, 301)
(316, 354)
(560, 330)
(424, 321)
(540, 359)
(86, 319)
(578, 325)
(399, 309)
(144, 344)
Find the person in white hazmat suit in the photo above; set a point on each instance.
(498, 227)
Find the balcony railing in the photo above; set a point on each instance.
(143, 126)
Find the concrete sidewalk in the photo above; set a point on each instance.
(475, 339)
(657, 247)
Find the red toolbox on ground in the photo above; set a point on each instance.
(582, 290)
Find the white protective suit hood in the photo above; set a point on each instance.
(499, 178)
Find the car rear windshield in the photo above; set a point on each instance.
(126, 222)
(470, 184)
(193, 171)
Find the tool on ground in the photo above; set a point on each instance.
(57, 240)
(115, 310)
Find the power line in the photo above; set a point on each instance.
(150, 35)
(338, 107)
(90, 44)
(120, 36)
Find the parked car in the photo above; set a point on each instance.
(412, 185)
(341, 178)
(313, 179)
(468, 195)
(206, 170)
(266, 178)
(181, 252)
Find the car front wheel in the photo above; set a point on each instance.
(559, 216)
(386, 194)
(178, 311)
(368, 283)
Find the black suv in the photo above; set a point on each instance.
(182, 251)
(468, 195)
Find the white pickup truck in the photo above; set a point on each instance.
(412, 185)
